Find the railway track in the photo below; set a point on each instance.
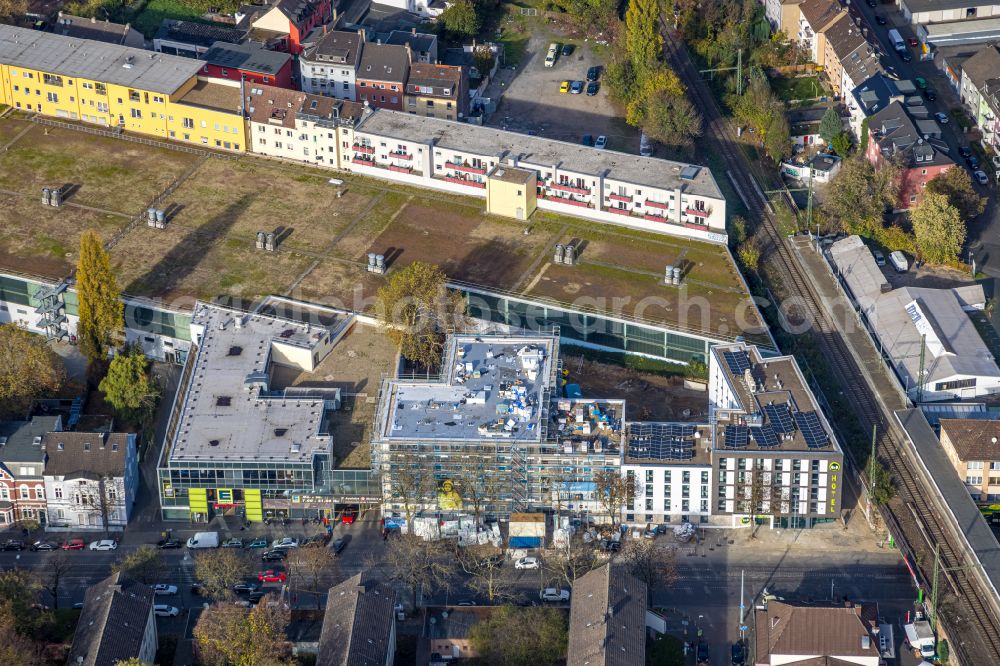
(914, 523)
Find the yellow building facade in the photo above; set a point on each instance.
(512, 192)
(148, 93)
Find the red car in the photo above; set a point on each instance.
(272, 576)
(348, 517)
(74, 544)
(912, 41)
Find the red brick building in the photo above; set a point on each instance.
(22, 462)
(894, 135)
(285, 25)
(382, 76)
(248, 62)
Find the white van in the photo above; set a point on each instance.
(550, 57)
(204, 540)
(645, 148)
(899, 261)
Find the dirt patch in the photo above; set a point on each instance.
(339, 284)
(468, 246)
(647, 397)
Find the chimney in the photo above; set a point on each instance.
(413, 30)
(409, 53)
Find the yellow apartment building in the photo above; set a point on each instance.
(139, 91)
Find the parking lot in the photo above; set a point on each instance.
(532, 101)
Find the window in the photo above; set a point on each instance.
(954, 385)
(112, 494)
(52, 97)
(133, 96)
(136, 113)
(974, 464)
(188, 124)
(4, 494)
(974, 480)
(23, 492)
(57, 492)
(204, 124)
(995, 465)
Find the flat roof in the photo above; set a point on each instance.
(96, 61)
(954, 495)
(902, 317)
(777, 410)
(667, 443)
(212, 95)
(492, 388)
(228, 412)
(649, 171)
(915, 6)
(248, 57)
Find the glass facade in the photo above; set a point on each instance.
(589, 328)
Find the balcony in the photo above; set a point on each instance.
(562, 187)
(697, 212)
(619, 211)
(571, 202)
(361, 148)
(400, 169)
(363, 161)
(655, 218)
(696, 225)
(465, 168)
(657, 204)
(464, 181)
(620, 197)
(400, 155)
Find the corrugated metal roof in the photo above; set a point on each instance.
(96, 61)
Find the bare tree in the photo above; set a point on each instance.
(421, 566)
(56, 567)
(651, 563)
(313, 570)
(480, 486)
(412, 483)
(568, 563)
(145, 565)
(615, 491)
(219, 570)
(487, 575)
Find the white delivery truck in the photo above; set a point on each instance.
(204, 540)
(897, 40)
(899, 261)
(920, 636)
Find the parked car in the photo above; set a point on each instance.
(645, 147)
(272, 576)
(941, 117)
(163, 610)
(576, 87)
(163, 589)
(197, 588)
(233, 543)
(274, 555)
(527, 563)
(564, 86)
(43, 546)
(553, 594)
(601, 143)
(880, 20)
(739, 654)
(930, 94)
(13, 544)
(972, 161)
(74, 544)
(912, 41)
(258, 543)
(920, 82)
(349, 517)
(244, 587)
(981, 177)
(879, 258)
(340, 544)
(965, 151)
(592, 88)
(285, 542)
(702, 652)
(168, 543)
(594, 73)
(588, 140)
(104, 544)
(905, 56)
(567, 49)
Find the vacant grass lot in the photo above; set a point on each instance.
(803, 87)
(106, 173)
(154, 11)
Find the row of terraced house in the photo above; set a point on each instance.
(167, 97)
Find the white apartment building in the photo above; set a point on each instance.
(328, 67)
(91, 480)
(297, 126)
(639, 192)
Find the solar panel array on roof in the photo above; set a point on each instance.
(737, 436)
(764, 436)
(662, 441)
(812, 430)
(780, 418)
(738, 361)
